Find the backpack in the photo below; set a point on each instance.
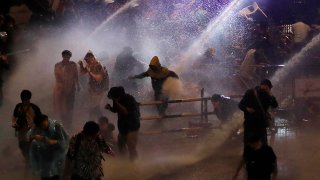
(103, 84)
(21, 114)
(21, 119)
(105, 79)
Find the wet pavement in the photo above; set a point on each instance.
(213, 154)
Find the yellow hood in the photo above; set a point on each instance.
(155, 62)
(163, 71)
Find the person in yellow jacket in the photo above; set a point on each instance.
(158, 75)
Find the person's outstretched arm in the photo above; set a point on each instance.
(139, 76)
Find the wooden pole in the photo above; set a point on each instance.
(185, 114)
(204, 108)
(206, 111)
(179, 130)
(147, 103)
(202, 94)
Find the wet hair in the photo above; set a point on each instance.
(91, 128)
(25, 95)
(216, 97)
(40, 119)
(103, 119)
(66, 53)
(266, 82)
(116, 92)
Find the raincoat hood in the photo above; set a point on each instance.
(155, 62)
(89, 53)
(161, 73)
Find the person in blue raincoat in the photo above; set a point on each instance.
(49, 143)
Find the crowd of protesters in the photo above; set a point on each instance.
(44, 142)
(51, 153)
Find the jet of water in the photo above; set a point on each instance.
(197, 45)
(296, 59)
(126, 6)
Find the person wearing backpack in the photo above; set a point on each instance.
(98, 83)
(255, 105)
(24, 115)
(128, 120)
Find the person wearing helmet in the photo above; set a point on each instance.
(67, 83)
(24, 115)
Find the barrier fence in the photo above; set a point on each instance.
(203, 114)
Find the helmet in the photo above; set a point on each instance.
(66, 53)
